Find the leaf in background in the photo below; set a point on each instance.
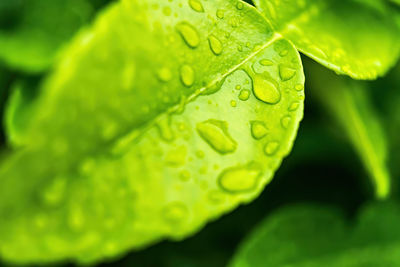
(32, 31)
(161, 117)
(350, 37)
(319, 236)
(349, 104)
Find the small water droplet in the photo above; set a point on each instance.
(266, 62)
(200, 154)
(240, 179)
(216, 197)
(266, 89)
(294, 106)
(175, 212)
(286, 73)
(176, 157)
(238, 87)
(215, 133)
(271, 148)
(239, 5)
(76, 218)
(196, 5)
(240, 48)
(244, 94)
(189, 34)
(283, 53)
(220, 14)
(233, 103)
(54, 193)
(164, 74)
(299, 87)
(215, 45)
(285, 121)
(187, 75)
(165, 130)
(167, 11)
(258, 129)
(184, 175)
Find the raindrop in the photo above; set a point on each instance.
(164, 74)
(215, 45)
(184, 175)
(164, 128)
(266, 62)
(299, 87)
(196, 5)
(271, 148)
(240, 179)
(266, 90)
(189, 34)
(244, 94)
(187, 75)
(215, 133)
(220, 14)
(258, 129)
(285, 121)
(294, 106)
(233, 103)
(239, 5)
(176, 157)
(55, 192)
(175, 212)
(286, 73)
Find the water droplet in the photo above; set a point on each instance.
(244, 94)
(239, 5)
(189, 34)
(215, 45)
(294, 106)
(266, 62)
(55, 192)
(271, 148)
(240, 48)
(187, 75)
(176, 157)
(164, 74)
(286, 73)
(76, 218)
(299, 87)
(285, 121)
(200, 154)
(240, 179)
(196, 5)
(215, 133)
(220, 14)
(184, 175)
(233, 103)
(175, 212)
(238, 87)
(283, 53)
(164, 128)
(167, 11)
(266, 90)
(258, 129)
(216, 197)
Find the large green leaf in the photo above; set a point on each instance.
(32, 31)
(319, 236)
(159, 118)
(349, 104)
(357, 38)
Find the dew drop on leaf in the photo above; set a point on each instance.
(286, 73)
(175, 212)
(271, 148)
(294, 106)
(266, 62)
(184, 175)
(240, 179)
(164, 128)
(216, 197)
(285, 121)
(187, 75)
(189, 34)
(54, 193)
(220, 14)
(233, 103)
(258, 129)
(299, 87)
(266, 90)
(239, 5)
(196, 5)
(215, 45)
(244, 94)
(176, 157)
(164, 74)
(215, 133)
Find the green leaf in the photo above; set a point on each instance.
(159, 118)
(356, 38)
(349, 104)
(32, 31)
(319, 236)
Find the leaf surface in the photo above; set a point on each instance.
(320, 236)
(356, 38)
(159, 118)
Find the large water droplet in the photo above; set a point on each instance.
(271, 148)
(215, 133)
(258, 129)
(265, 89)
(196, 5)
(215, 45)
(286, 73)
(189, 34)
(175, 212)
(187, 75)
(240, 179)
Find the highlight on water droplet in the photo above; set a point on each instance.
(215, 133)
(271, 148)
(286, 73)
(299, 87)
(265, 89)
(189, 34)
(285, 121)
(175, 212)
(164, 74)
(240, 179)
(196, 5)
(187, 75)
(215, 45)
(244, 94)
(258, 129)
